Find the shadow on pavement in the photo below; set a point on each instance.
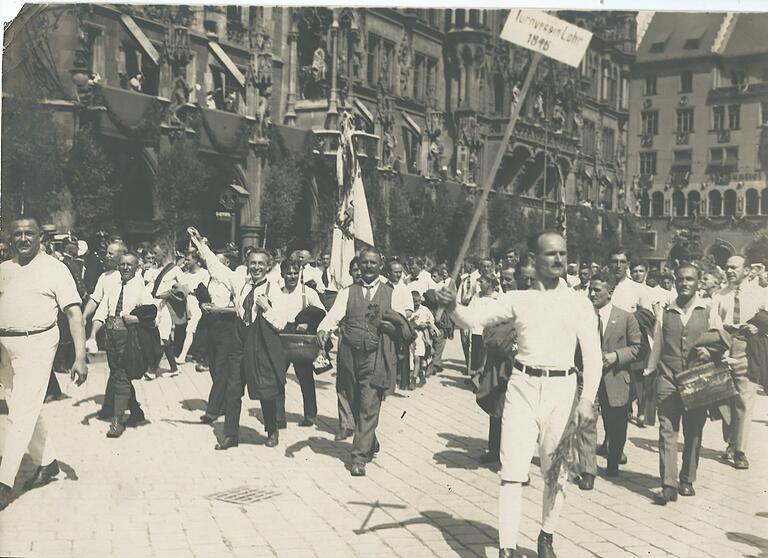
(246, 434)
(321, 446)
(98, 399)
(460, 534)
(465, 455)
(759, 543)
(193, 404)
(639, 483)
(653, 447)
(461, 382)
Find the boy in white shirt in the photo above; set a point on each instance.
(424, 323)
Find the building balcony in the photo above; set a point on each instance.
(539, 135)
(646, 140)
(723, 136)
(237, 33)
(682, 138)
(327, 143)
(737, 93)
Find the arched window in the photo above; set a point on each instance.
(729, 203)
(752, 205)
(764, 202)
(645, 205)
(678, 204)
(715, 203)
(657, 204)
(694, 201)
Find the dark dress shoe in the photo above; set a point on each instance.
(544, 546)
(208, 419)
(740, 460)
(489, 457)
(227, 442)
(5, 496)
(602, 450)
(282, 425)
(587, 481)
(668, 494)
(273, 439)
(116, 429)
(507, 553)
(623, 459)
(686, 489)
(728, 454)
(357, 470)
(612, 470)
(136, 418)
(43, 475)
(343, 435)
(306, 422)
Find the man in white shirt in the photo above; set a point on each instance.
(308, 274)
(107, 280)
(294, 300)
(193, 276)
(114, 313)
(735, 305)
(572, 275)
(627, 294)
(366, 360)
(549, 320)
(260, 351)
(419, 279)
(34, 287)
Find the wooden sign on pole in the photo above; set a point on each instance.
(544, 35)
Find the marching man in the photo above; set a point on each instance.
(549, 320)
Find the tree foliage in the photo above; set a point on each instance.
(507, 222)
(181, 181)
(33, 158)
(284, 188)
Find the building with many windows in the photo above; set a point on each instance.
(430, 93)
(699, 131)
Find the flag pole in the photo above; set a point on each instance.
(491, 175)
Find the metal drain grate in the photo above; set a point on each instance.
(244, 495)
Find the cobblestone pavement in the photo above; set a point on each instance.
(161, 490)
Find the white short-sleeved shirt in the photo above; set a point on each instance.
(106, 282)
(32, 295)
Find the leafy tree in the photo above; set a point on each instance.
(33, 159)
(757, 250)
(181, 181)
(283, 191)
(507, 222)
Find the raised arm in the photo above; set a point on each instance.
(217, 269)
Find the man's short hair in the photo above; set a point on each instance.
(637, 263)
(257, 250)
(28, 217)
(132, 254)
(354, 262)
(287, 265)
(604, 278)
(533, 240)
(688, 265)
(619, 250)
(369, 250)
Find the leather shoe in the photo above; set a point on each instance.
(668, 494)
(306, 422)
(728, 453)
(686, 489)
(602, 450)
(612, 470)
(5, 496)
(507, 552)
(116, 429)
(740, 460)
(227, 442)
(357, 470)
(136, 418)
(587, 481)
(343, 434)
(544, 546)
(43, 475)
(489, 457)
(623, 459)
(273, 439)
(208, 419)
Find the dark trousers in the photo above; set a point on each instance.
(306, 377)
(615, 420)
(494, 435)
(671, 411)
(225, 355)
(465, 337)
(269, 411)
(53, 386)
(643, 391)
(120, 394)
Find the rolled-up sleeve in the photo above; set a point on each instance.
(589, 341)
(65, 288)
(101, 311)
(218, 270)
(336, 313)
(481, 316)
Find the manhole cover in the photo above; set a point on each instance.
(244, 495)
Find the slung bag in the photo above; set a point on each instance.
(705, 384)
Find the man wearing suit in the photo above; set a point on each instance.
(621, 345)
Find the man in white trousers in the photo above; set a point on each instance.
(34, 287)
(550, 320)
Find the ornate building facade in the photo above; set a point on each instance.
(699, 132)
(430, 92)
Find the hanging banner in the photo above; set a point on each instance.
(548, 35)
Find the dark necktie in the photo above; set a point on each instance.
(325, 277)
(119, 307)
(248, 303)
(736, 307)
(600, 327)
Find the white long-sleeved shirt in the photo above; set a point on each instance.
(629, 294)
(294, 302)
(549, 324)
(752, 299)
(104, 284)
(135, 293)
(240, 287)
(311, 273)
(402, 303)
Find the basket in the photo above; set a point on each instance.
(300, 348)
(706, 384)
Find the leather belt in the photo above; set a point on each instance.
(545, 372)
(14, 333)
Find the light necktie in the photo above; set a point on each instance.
(119, 306)
(736, 307)
(368, 289)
